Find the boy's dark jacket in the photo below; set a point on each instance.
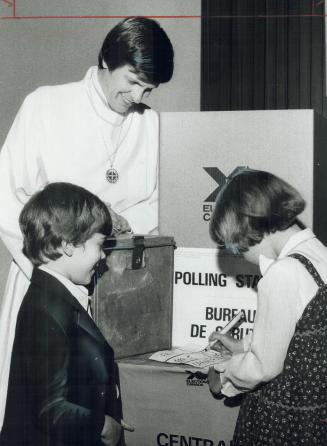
(63, 376)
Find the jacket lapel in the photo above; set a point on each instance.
(84, 321)
(57, 291)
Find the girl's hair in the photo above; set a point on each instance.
(61, 212)
(251, 204)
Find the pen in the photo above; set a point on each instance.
(227, 327)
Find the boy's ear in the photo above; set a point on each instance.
(68, 248)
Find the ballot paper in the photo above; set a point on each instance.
(191, 355)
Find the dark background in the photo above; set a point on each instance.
(263, 54)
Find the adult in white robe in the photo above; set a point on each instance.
(84, 132)
(64, 133)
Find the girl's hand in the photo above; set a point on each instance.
(226, 342)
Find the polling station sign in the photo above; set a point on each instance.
(210, 288)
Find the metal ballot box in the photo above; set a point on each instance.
(132, 303)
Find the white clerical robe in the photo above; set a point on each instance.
(68, 133)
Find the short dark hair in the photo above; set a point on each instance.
(141, 43)
(251, 204)
(61, 212)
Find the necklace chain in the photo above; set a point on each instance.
(112, 175)
(112, 156)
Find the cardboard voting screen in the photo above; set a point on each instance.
(198, 150)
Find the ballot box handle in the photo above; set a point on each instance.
(137, 257)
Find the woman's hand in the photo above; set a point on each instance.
(111, 431)
(119, 224)
(225, 342)
(214, 381)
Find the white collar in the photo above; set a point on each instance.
(292, 242)
(78, 291)
(98, 99)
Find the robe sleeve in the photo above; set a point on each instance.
(21, 174)
(143, 215)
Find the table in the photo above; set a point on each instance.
(171, 405)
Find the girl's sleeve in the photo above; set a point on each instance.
(274, 326)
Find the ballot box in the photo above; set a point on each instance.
(132, 303)
(171, 405)
(199, 150)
